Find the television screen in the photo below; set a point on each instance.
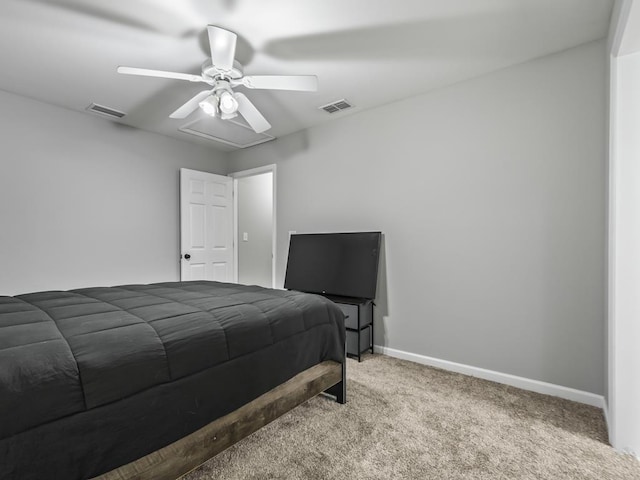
(343, 264)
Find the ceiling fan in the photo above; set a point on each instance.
(223, 72)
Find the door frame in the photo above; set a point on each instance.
(249, 173)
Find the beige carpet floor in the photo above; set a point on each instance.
(407, 421)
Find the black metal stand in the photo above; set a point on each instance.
(359, 331)
(361, 324)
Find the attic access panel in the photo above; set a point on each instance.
(232, 132)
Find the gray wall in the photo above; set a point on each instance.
(491, 195)
(255, 217)
(84, 201)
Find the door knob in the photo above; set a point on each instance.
(187, 256)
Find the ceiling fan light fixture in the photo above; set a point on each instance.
(209, 105)
(222, 72)
(228, 105)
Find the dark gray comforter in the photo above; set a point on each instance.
(94, 378)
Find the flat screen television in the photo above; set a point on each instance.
(341, 264)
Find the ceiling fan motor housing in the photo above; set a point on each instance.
(211, 73)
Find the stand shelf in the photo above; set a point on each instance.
(358, 324)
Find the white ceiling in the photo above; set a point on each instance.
(371, 52)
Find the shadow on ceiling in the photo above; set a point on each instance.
(466, 36)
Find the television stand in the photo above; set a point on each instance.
(358, 323)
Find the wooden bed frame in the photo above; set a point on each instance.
(189, 452)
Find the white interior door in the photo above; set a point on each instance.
(206, 226)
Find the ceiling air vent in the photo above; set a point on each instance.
(336, 106)
(105, 111)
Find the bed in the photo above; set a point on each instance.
(148, 381)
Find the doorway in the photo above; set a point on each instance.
(255, 226)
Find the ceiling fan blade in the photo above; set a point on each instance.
(302, 83)
(251, 114)
(185, 110)
(145, 72)
(223, 47)
(164, 17)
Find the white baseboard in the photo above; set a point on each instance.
(504, 378)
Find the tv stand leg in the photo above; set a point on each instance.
(372, 319)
